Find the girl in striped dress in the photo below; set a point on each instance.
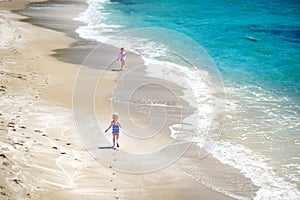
(115, 129)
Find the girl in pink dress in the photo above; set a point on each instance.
(122, 57)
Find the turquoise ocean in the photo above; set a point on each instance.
(255, 45)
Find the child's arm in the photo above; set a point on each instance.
(120, 124)
(108, 127)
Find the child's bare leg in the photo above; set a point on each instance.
(114, 139)
(117, 138)
(122, 64)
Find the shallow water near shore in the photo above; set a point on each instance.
(255, 46)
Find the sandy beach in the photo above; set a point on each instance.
(44, 154)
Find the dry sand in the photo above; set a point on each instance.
(42, 154)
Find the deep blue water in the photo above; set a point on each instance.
(252, 42)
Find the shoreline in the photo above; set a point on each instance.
(56, 95)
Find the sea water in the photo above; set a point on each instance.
(255, 46)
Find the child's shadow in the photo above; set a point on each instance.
(107, 147)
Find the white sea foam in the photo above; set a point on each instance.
(292, 170)
(94, 17)
(256, 167)
(197, 92)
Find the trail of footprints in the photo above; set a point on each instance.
(11, 126)
(114, 177)
(18, 83)
(14, 134)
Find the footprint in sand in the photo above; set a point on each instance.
(3, 193)
(11, 125)
(2, 88)
(16, 181)
(17, 143)
(3, 156)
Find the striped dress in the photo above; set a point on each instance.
(115, 127)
